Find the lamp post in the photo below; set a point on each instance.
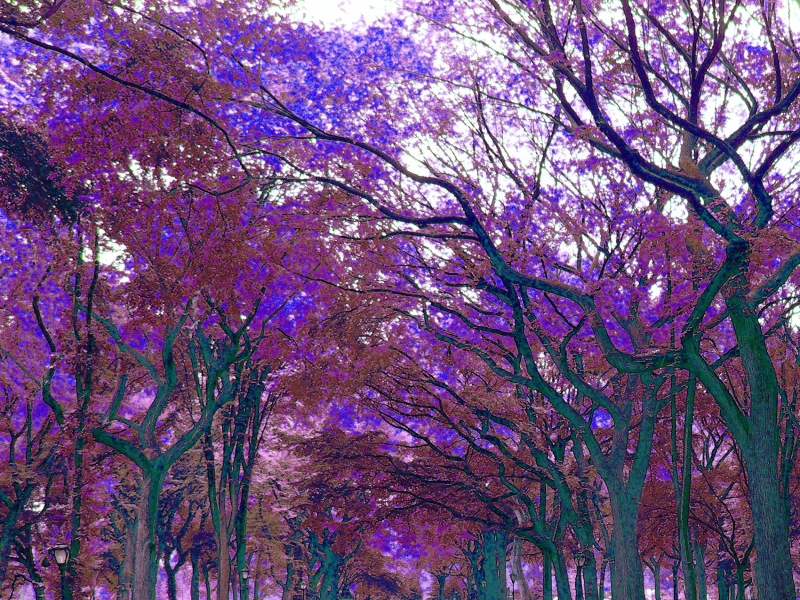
(513, 586)
(61, 555)
(580, 562)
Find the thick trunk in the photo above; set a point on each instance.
(125, 575)
(770, 525)
(494, 565)
(760, 446)
(145, 561)
(627, 575)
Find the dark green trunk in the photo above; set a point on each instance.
(683, 488)
(194, 587)
(723, 576)
(761, 452)
(627, 575)
(562, 577)
(494, 565)
(441, 579)
(700, 561)
(547, 578)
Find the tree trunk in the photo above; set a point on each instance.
(601, 592)
(145, 561)
(6, 537)
(208, 583)
(521, 583)
(770, 526)
(682, 480)
(172, 586)
(547, 577)
(194, 587)
(223, 562)
(125, 576)
(627, 575)
(562, 577)
(655, 568)
(723, 573)
(700, 561)
(494, 565)
(761, 449)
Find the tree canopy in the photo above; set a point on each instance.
(470, 300)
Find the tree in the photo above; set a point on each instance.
(595, 200)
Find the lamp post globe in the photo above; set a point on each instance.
(580, 562)
(60, 554)
(245, 573)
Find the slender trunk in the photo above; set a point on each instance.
(208, 583)
(655, 568)
(194, 588)
(77, 502)
(172, 585)
(241, 542)
(6, 537)
(547, 564)
(723, 574)
(441, 578)
(627, 575)
(683, 488)
(125, 575)
(675, 567)
(601, 592)
(547, 577)
(520, 582)
(700, 560)
(223, 562)
(562, 577)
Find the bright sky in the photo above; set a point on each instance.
(331, 13)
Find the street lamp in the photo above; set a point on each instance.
(245, 573)
(580, 562)
(303, 589)
(61, 555)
